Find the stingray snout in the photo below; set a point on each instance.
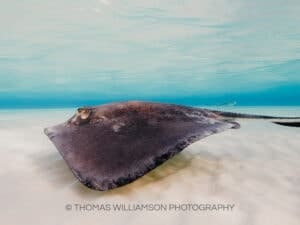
(51, 132)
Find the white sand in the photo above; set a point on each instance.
(257, 168)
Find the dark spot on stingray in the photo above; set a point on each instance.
(112, 145)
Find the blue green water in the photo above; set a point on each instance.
(70, 53)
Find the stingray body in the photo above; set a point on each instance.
(114, 144)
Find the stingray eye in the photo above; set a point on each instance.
(82, 116)
(84, 113)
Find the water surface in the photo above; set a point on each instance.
(71, 53)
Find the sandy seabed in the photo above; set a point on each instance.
(256, 169)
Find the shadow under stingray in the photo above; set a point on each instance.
(56, 171)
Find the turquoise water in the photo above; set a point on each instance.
(69, 53)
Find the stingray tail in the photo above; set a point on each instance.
(284, 121)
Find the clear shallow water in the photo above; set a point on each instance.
(66, 53)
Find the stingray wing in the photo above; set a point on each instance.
(106, 155)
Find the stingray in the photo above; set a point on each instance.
(114, 144)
